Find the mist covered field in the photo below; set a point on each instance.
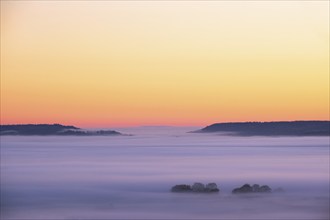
(130, 177)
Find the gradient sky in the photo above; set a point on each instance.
(112, 63)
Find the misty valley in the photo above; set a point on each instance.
(139, 176)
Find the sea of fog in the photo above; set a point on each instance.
(130, 177)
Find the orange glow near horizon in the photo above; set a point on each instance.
(185, 63)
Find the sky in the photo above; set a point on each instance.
(182, 63)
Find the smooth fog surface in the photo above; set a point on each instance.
(131, 176)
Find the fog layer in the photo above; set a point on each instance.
(131, 176)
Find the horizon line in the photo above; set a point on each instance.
(163, 125)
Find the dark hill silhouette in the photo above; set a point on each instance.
(50, 129)
(276, 128)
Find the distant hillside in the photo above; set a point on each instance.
(50, 129)
(277, 128)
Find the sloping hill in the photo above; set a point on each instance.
(50, 129)
(276, 128)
